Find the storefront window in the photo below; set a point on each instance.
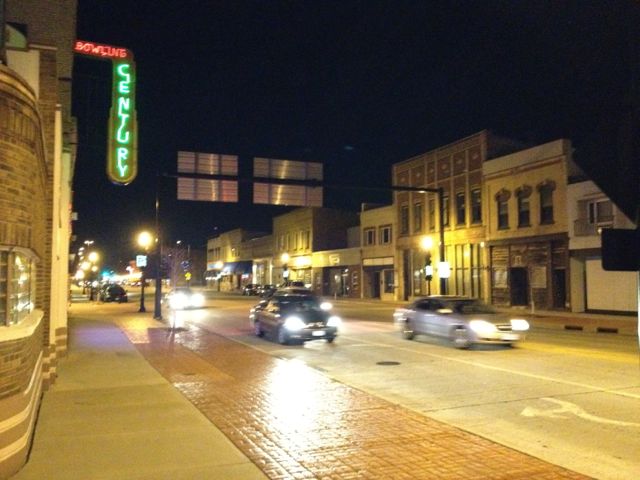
(16, 286)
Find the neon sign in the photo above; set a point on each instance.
(122, 143)
(99, 50)
(122, 165)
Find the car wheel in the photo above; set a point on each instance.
(460, 337)
(331, 338)
(283, 338)
(257, 328)
(407, 330)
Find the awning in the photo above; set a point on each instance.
(244, 266)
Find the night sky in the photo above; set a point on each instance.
(356, 85)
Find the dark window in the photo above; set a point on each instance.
(385, 235)
(432, 214)
(460, 208)
(417, 217)
(476, 206)
(370, 236)
(546, 205)
(523, 211)
(445, 211)
(404, 219)
(503, 213)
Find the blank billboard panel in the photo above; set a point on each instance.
(286, 169)
(207, 163)
(294, 195)
(207, 190)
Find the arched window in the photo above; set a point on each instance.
(545, 192)
(502, 206)
(523, 195)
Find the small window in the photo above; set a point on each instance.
(460, 209)
(432, 215)
(546, 205)
(404, 219)
(369, 236)
(476, 206)
(524, 211)
(503, 214)
(417, 217)
(385, 235)
(600, 212)
(445, 210)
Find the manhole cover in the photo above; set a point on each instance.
(387, 362)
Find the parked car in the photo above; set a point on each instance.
(464, 321)
(267, 290)
(251, 289)
(113, 293)
(295, 316)
(183, 298)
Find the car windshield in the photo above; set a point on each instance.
(470, 307)
(299, 303)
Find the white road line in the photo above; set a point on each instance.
(508, 370)
(572, 408)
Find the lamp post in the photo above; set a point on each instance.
(285, 267)
(144, 240)
(426, 243)
(90, 268)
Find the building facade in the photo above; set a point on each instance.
(378, 247)
(592, 289)
(527, 226)
(456, 168)
(37, 156)
(299, 233)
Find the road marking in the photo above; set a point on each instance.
(573, 409)
(508, 370)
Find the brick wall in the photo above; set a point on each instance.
(24, 203)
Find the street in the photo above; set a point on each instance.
(566, 397)
(571, 398)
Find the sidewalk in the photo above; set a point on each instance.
(135, 401)
(110, 415)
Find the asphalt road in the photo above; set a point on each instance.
(570, 398)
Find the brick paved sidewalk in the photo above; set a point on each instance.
(295, 423)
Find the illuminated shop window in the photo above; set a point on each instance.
(16, 286)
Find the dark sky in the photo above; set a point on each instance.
(356, 85)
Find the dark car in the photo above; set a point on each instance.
(251, 289)
(113, 293)
(295, 316)
(267, 290)
(464, 321)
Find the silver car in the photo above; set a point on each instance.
(464, 321)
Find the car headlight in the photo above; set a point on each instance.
(197, 300)
(326, 306)
(519, 324)
(482, 327)
(294, 323)
(334, 321)
(178, 301)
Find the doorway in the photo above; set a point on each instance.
(559, 288)
(519, 286)
(376, 284)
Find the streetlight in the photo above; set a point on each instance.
(144, 240)
(285, 267)
(426, 243)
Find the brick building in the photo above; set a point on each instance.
(36, 164)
